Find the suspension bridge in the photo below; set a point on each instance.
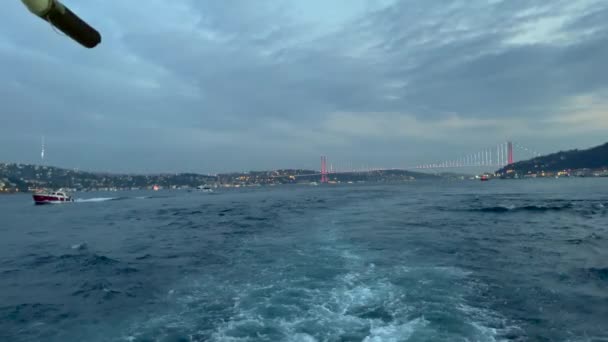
(496, 157)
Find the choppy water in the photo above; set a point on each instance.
(454, 261)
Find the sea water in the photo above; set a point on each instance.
(510, 260)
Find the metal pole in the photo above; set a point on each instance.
(65, 20)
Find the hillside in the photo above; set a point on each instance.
(24, 177)
(593, 158)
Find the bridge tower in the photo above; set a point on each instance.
(324, 178)
(510, 152)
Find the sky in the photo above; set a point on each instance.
(213, 86)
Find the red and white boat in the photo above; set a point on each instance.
(52, 197)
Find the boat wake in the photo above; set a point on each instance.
(106, 199)
(97, 199)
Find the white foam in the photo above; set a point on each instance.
(358, 296)
(452, 271)
(486, 333)
(395, 333)
(508, 206)
(489, 325)
(80, 246)
(300, 337)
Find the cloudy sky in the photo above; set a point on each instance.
(212, 86)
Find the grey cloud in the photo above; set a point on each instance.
(473, 72)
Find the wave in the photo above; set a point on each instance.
(512, 208)
(590, 239)
(496, 209)
(597, 273)
(32, 311)
(582, 207)
(81, 261)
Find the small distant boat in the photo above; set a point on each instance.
(52, 197)
(484, 178)
(204, 188)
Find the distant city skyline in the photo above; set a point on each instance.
(211, 87)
